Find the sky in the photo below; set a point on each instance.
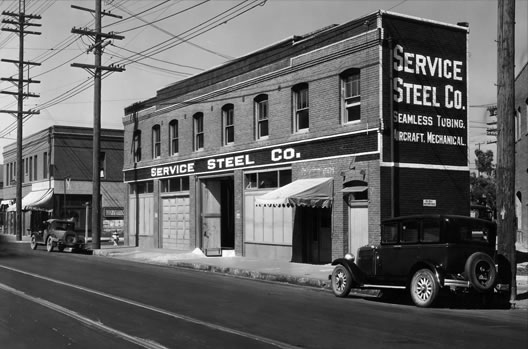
(169, 40)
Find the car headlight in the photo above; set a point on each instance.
(350, 257)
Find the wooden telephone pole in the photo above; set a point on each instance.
(506, 220)
(20, 21)
(98, 44)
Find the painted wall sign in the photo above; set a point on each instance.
(328, 147)
(429, 93)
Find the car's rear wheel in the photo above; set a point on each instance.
(424, 288)
(341, 281)
(49, 244)
(33, 242)
(480, 271)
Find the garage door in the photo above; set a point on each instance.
(175, 223)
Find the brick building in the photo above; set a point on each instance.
(297, 151)
(521, 154)
(57, 179)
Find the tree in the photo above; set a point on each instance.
(483, 186)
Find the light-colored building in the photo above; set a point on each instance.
(57, 178)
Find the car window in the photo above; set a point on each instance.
(469, 230)
(409, 232)
(389, 233)
(430, 231)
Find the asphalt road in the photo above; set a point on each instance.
(66, 300)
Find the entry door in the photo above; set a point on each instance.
(211, 214)
(357, 226)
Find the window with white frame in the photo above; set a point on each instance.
(228, 125)
(173, 137)
(301, 112)
(198, 131)
(261, 116)
(156, 141)
(137, 146)
(351, 95)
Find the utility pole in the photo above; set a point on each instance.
(506, 220)
(95, 70)
(20, 23)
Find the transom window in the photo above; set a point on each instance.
(301, 112)
(156, 141)
(175, 184)
(198, 131)
(228, 125)
(351, 95)
(173, 137)
(268, 179)
(261, 116)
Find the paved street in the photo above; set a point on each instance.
(61, 300)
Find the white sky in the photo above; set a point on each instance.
(254, 29)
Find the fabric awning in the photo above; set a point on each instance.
(311, 192)
(356, 189)
(38, 200)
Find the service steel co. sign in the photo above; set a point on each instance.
(429, 93)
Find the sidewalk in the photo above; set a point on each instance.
(301, 274)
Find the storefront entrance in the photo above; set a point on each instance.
(312, 235)
(217, 215)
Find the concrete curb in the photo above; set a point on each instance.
(251, 274)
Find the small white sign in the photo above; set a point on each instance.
(429, 203)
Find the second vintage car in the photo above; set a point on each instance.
(57, 233)
(423, 254)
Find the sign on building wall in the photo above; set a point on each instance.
(429, 92)
(352, 144)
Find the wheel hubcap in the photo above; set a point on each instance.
(340, 281)
(482, 273)
(424, 288)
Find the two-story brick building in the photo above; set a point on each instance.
(57, 178)
(297, 151)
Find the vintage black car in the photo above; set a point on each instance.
(57, 233)
(423, 254)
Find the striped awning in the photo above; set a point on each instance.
(310, 192)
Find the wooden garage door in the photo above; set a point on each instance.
(175, 223)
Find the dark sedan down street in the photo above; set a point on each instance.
(63, 300)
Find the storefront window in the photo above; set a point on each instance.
(267, 179)
(175, 185)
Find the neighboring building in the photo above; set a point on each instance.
(57, 179)
(521, 154)
(297, 151)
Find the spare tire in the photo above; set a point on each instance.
(481, 272)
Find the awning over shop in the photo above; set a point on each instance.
(311, 192)
(38, 200)
(356, 189)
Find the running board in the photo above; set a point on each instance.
(384, 286)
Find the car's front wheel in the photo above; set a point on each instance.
(49, 244)
(424, 288)
(33, 242)
(341, 281)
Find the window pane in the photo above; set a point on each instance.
(230, 134)
(353, 113)
(303, 119)
(263, 129)
(431, 231)
(185, 183)
(409, 232)
(267, 179)
(389, 233)
(285, 177)
(251, 180)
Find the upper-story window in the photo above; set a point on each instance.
(35, 167)
(261, 116)
(301, 112)
(351, 95)
(228, 125)
(156, 141)
(137, 146)
(198, 131)
(45, 165)
(173, 137)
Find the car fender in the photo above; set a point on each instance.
(356, 273)
(437, 270)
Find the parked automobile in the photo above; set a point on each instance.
(57, 233)
(424, 254)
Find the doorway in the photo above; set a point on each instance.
(217, 215)
(313, 226)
